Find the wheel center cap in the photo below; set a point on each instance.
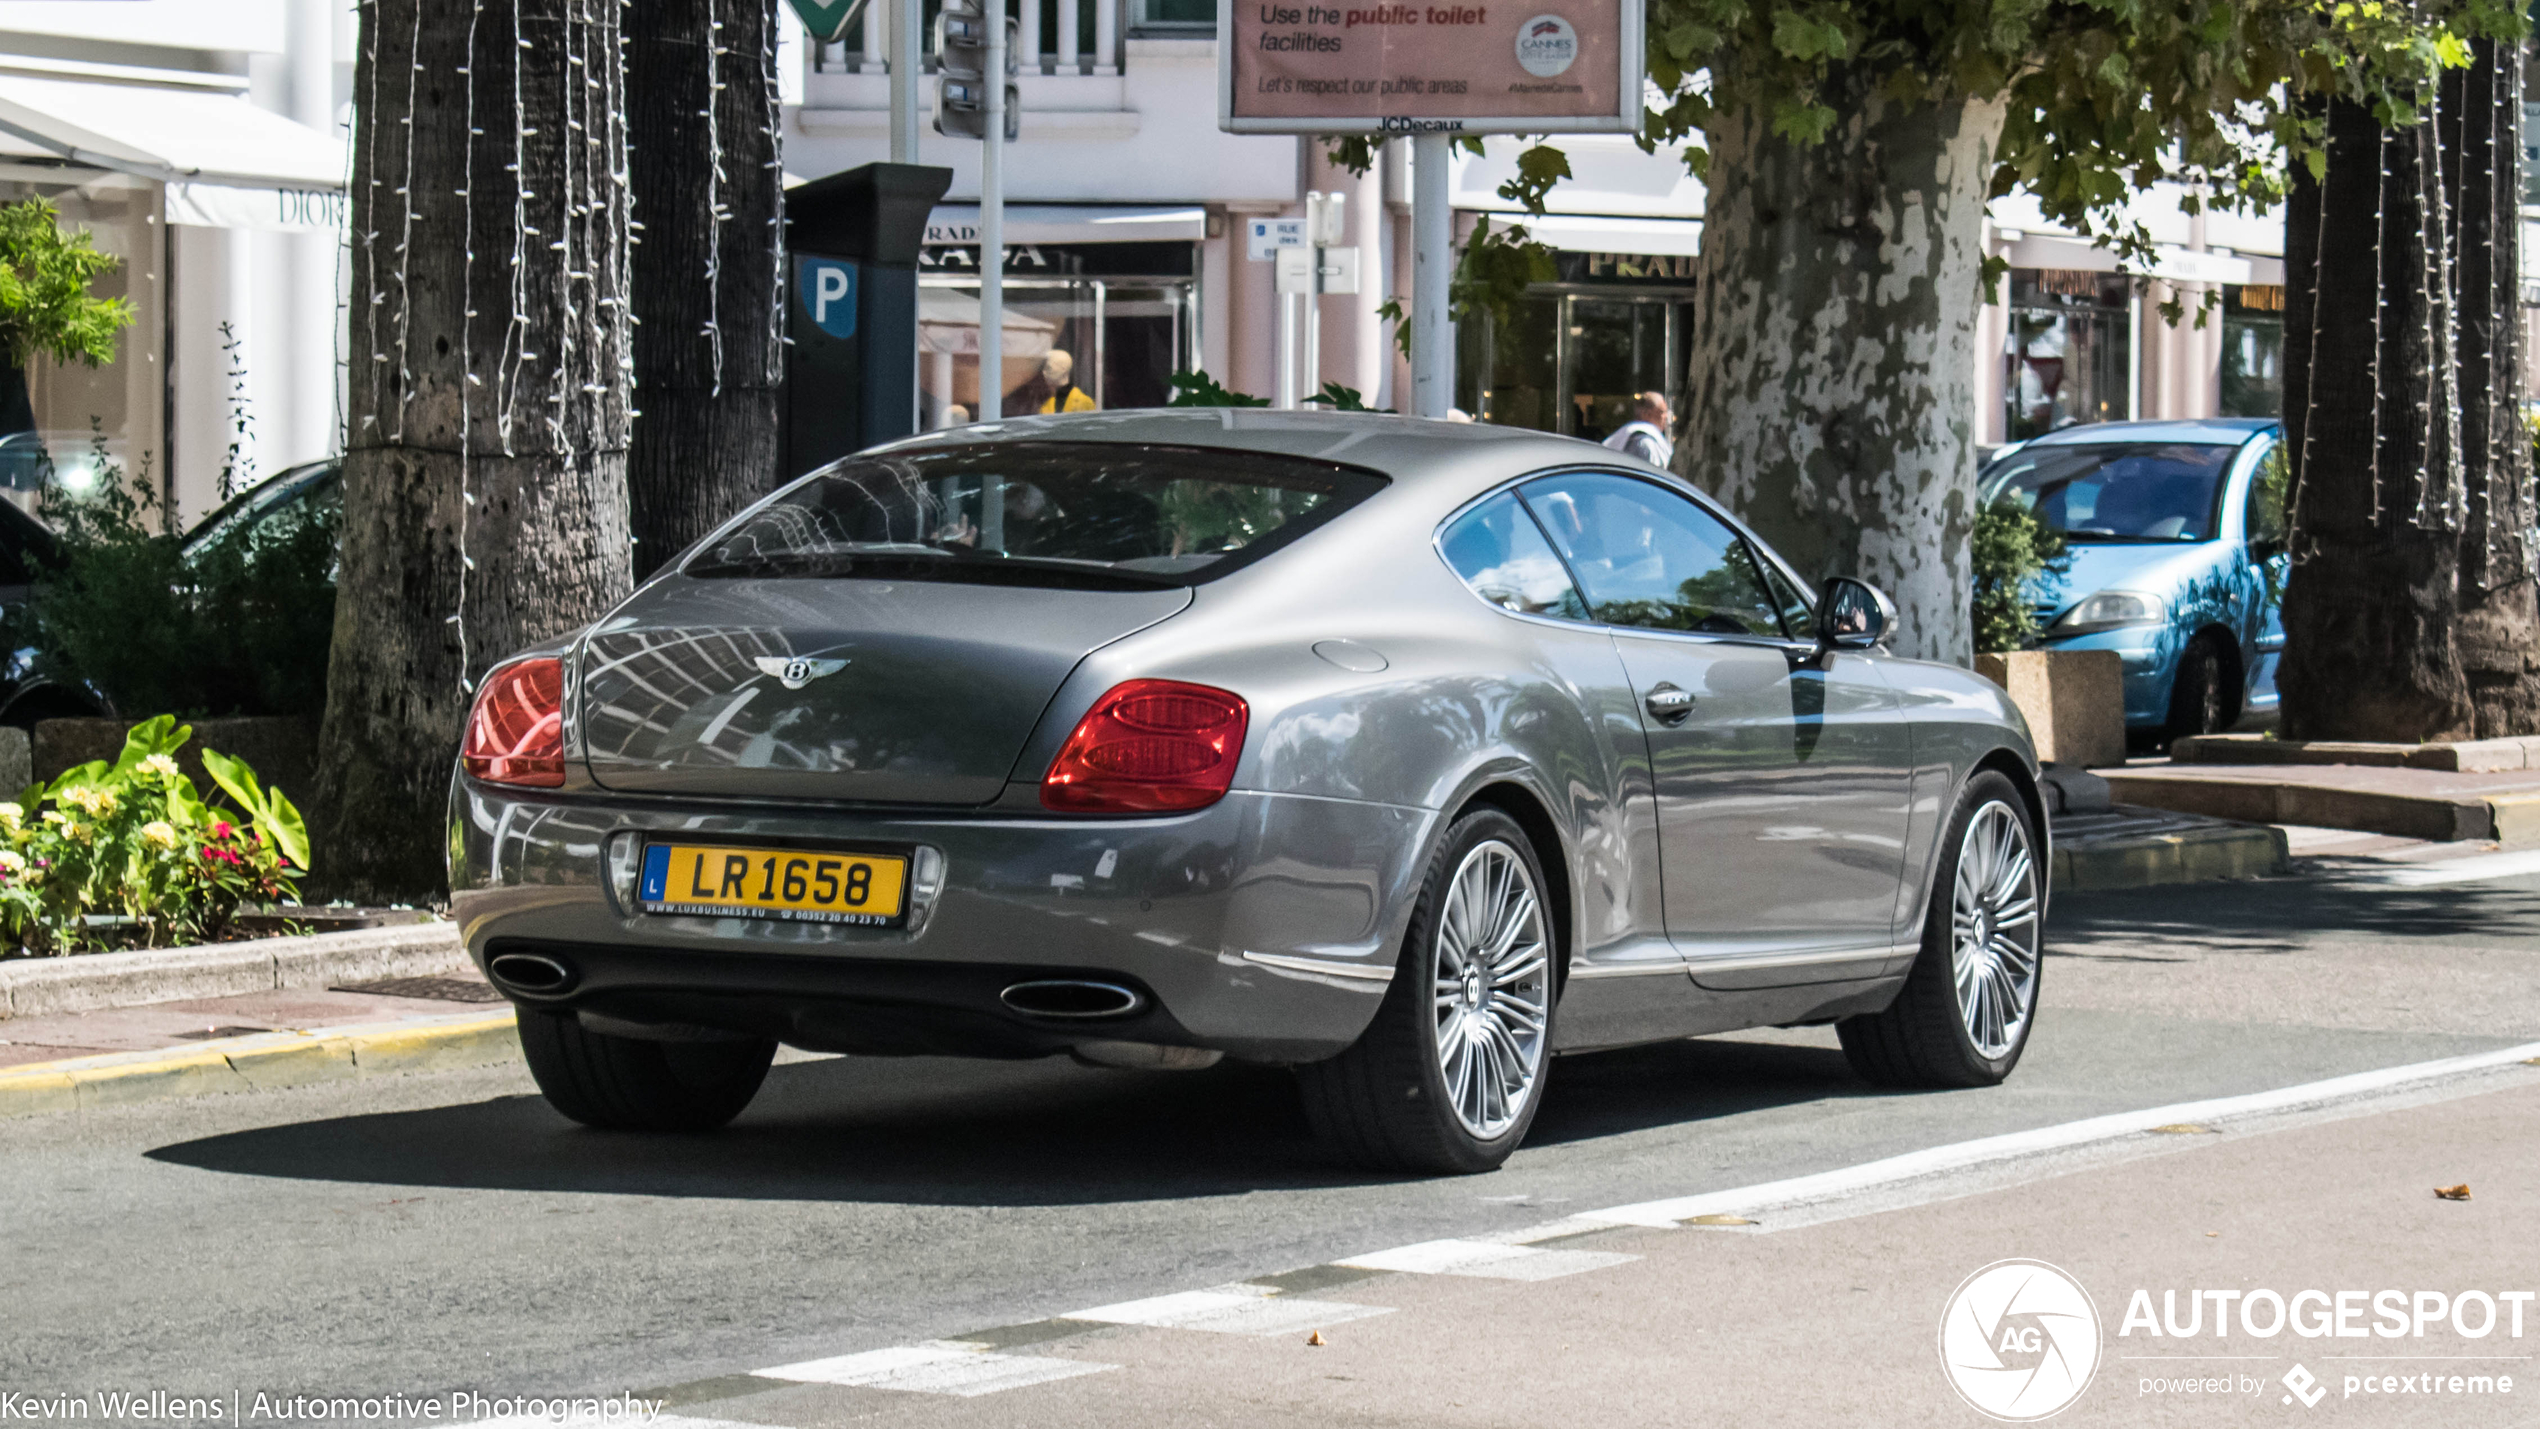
(1473, 988)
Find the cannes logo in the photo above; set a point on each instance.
(2019, 1340)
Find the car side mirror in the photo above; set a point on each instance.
(1853, 615)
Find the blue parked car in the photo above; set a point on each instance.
(2177, 538)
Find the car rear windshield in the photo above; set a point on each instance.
(2120, 492)
(1083, 514)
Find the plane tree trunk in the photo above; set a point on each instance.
(487, 412)
(708, 267)
(1831, 381)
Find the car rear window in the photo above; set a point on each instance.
(2133, 491)
(1083, 514)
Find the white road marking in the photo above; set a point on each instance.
(2042, 1141)
(2457, 870)
(1229, 1310)
(937, 1367)
(1485, 1260)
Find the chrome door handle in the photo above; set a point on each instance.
(1669, 705)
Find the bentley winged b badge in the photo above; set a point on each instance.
(796, 671)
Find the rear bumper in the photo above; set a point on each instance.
(1264, 926)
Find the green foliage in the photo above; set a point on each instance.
(1345, 399)
(134, 841)
(2012, 547)
(1197, 389)
(45, 305)
(241, 627)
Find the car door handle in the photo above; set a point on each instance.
(1669, 705)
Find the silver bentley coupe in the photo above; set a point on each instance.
(1403, 754)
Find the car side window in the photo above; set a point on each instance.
(1498, 550)
(1647, 557)
(1799, 615)
(2263, 524)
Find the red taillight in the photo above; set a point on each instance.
(1149, 747)
(515, 732)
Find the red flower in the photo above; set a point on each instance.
(220, 828)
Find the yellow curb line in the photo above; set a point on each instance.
(267, 1059)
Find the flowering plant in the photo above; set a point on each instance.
(135, 841)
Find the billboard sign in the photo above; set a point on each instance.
(1407, 67)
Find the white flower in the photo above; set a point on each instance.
(159, 833)
(12, 861)
(11, 815)
(160, 765)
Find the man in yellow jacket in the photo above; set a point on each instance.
(1058, 374)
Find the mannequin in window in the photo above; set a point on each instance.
(1058, 374)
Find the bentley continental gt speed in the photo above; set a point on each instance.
(1401, 753)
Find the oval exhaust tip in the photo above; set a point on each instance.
(532, 974)
(1068, 997)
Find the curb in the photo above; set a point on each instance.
(88, 982)
(2187, 856)
(258, 1063)
(2513, 817)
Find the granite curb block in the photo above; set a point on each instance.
(265, 1060)
(89, 982)
(2467, 756)
(2511, 818)
(2183, 856)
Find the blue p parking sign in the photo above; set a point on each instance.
(826, 289)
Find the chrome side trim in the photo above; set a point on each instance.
(1321, 966)
(1605, 970)
(1806, 958)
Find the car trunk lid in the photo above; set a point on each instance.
(916, 691)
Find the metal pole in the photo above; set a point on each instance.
(1432, 261)
(908, 71)
(992, 228)
(1310, 372)
(1284, 394)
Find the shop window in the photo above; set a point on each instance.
(2069, 350)
(1089, 327)
(1575, 352)
(2253, 351)
(71, 420)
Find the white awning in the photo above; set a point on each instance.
(1064, 223)
(226, 162)
(1577, 233)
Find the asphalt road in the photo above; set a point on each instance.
(441, 1231)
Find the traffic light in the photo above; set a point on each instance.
(961, 93)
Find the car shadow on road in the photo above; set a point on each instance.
(2283, 915)
(942, 1132)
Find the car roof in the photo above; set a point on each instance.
(2222, 431)
(1407, 449)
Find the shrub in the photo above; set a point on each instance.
(2012, 547)
(135, 840)
(241, 626)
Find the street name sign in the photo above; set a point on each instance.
(1532, 67)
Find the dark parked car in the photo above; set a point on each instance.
(1402, 753)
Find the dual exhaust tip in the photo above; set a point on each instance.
(1067, 999)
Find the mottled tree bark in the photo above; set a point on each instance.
(1831, 383)
(2499, 631)
(708, 276)
(2372, 422)
(485, 469)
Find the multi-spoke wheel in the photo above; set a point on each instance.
(1448, 1075)
(1964, 1014)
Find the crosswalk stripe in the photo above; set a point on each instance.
(1485, 1260)
(936, 1367)
(1229, 1310)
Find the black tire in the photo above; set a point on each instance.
(1385, 1104)
(1922, 1039)
(2202, 699)
(629, 1084)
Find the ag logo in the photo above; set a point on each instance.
(2019, 1340)
(796, 671)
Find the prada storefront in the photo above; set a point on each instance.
(1613, 324)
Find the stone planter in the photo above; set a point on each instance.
(2073, 700)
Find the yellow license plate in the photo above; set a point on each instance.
(805, 885)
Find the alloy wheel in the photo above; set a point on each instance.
(1994, 930)
(1493, 986)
